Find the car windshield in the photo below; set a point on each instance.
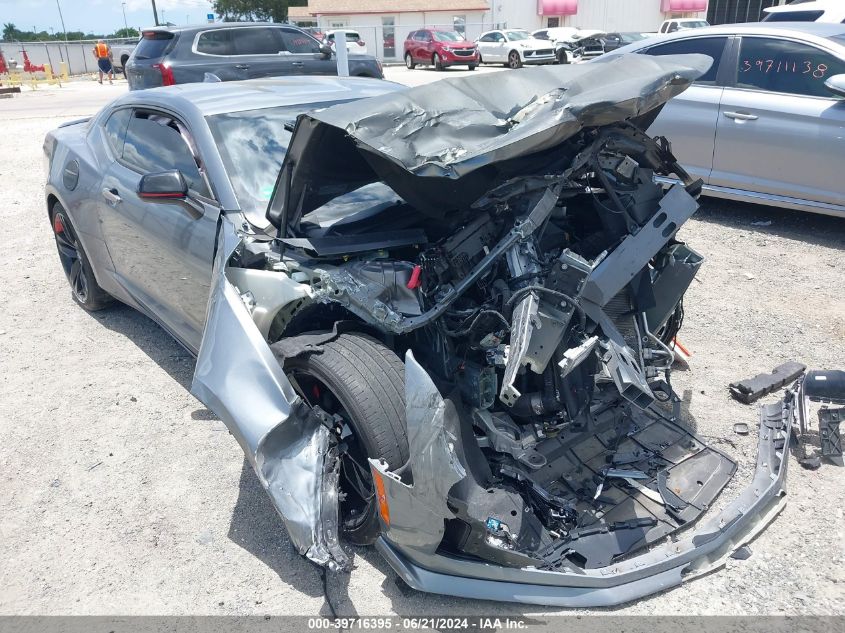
(631, 37)
(252, 144)
(692, 24)
(350, 36)
(447, 36)
(518, 35)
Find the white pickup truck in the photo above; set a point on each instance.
(121, 52)
(682, 24)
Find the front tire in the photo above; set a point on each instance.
(562, 57)
(409, 62)
(514, 60)
(83, 285)
(437, 62)
(472, 66)
(361, 380)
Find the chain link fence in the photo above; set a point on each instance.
(386, 40)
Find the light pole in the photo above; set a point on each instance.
(64, 32)
(125, 25)
(155, 12)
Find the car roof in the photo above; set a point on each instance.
(233, 96)
(819, 29)
(212, 26)
(818, 5)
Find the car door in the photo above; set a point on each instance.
(302, 54)
(780, 130)
(161, 250)
(689, 120)
(259, 51)
(212, 53)
(422, 41)
(490, 46)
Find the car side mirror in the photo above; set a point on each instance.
(165, 185)
(325, 52)
(836, 84)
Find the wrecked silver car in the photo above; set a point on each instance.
(455, 338)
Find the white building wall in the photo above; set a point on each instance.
(606, 15)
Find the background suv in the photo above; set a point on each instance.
(440, 49)
(233, 51)
(354, 44)
(513, 48)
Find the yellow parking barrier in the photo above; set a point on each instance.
(18, 78)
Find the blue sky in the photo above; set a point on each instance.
(98, 16)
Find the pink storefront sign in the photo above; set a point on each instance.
(683, 5)
(557, 7)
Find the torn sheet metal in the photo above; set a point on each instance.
(418, 510)
(443, 145)
(238, 377)
(695, 552)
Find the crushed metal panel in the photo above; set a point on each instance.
(239, 379)
(417, 511)
(439, 146)
(635, 251)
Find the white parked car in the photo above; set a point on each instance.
(572, 43)
(682, 24)
(354, 44)
(513, 48)
(818, 11)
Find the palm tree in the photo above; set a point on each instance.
(10, 31)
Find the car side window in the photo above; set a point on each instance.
(499, 37)
(115, 130)
(217, 42)
(298, 42)
(541, 35)
(713, 47)
(425, 36)
(777, 65)
(486, 38)
(157, 142)
(255, 41)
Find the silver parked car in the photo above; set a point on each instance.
(455, 346)
(766, 123)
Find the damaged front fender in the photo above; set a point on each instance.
(293, 453)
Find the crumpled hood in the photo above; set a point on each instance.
(443, 145)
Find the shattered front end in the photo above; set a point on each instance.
(506, 238)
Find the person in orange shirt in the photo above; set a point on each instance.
(103, 53)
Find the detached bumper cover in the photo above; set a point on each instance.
(699, 551)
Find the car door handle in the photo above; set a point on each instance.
(111, 196)
(298, 64)
(741, 116)
(241, 66)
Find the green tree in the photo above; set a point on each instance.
(130, 32)
(10, 32)
(262, 10)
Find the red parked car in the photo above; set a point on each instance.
(440, 49)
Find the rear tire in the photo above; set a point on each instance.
(409, 62)
(363, 381)
(83, 285)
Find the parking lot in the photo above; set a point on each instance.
(120, 493)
